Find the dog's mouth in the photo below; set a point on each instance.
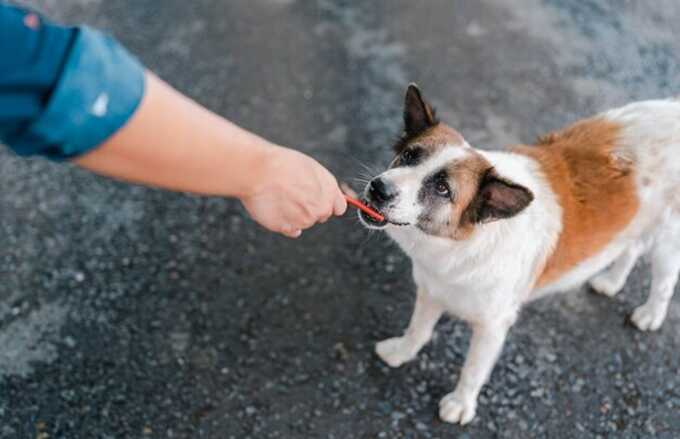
(376, 223)
(373, 222)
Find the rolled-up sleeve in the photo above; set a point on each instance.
(63, 90)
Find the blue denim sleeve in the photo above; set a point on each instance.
(63, 91)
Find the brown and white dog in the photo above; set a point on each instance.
(490, 231)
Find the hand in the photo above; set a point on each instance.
(292, 192)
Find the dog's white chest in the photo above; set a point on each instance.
(461, 284)
(467, 297)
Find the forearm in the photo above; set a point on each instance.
(86, 99)
(172, 142)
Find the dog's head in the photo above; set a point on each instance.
(437, 182)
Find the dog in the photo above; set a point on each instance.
(488, 231)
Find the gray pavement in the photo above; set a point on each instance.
(128, 312)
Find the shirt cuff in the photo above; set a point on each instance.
(100, 88)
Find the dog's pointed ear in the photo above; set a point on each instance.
(498, 198)
(418, 115)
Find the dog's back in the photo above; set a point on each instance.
(617, 176)
(591, 176)
(650, 137)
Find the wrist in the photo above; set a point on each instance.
(257, 171)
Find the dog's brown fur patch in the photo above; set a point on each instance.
(467, 174)
(432, 139)
(439, 136)
(595, 189)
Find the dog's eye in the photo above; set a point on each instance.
(409, 156)
(442, 189)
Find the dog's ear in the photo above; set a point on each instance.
(418, 115)
(497, 198)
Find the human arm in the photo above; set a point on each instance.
(174, 143)
(75, 94)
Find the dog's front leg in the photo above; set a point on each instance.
(486, 343)
(398, 350)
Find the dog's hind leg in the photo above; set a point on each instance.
(398, 350)
(610, 281)
(665, 264)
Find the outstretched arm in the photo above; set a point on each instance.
(73, 93)
(174, 143)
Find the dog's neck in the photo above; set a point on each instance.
(446, 255)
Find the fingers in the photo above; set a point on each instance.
(333, 198)
(299, 217)
(326, 216)
(302, 194)
(291, 219)
(346, 189)
(324, 200)
(290, 231)
(339, 204)
(293, 222)
(328, 207)
(305, 217)
(334, 204)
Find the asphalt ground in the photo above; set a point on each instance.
(128, 312)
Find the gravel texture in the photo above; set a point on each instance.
(128, 312)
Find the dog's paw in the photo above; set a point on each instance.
(603, 284)
(457, 410)
(394, 351)
(649, 317)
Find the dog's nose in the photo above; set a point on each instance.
(380, 191)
